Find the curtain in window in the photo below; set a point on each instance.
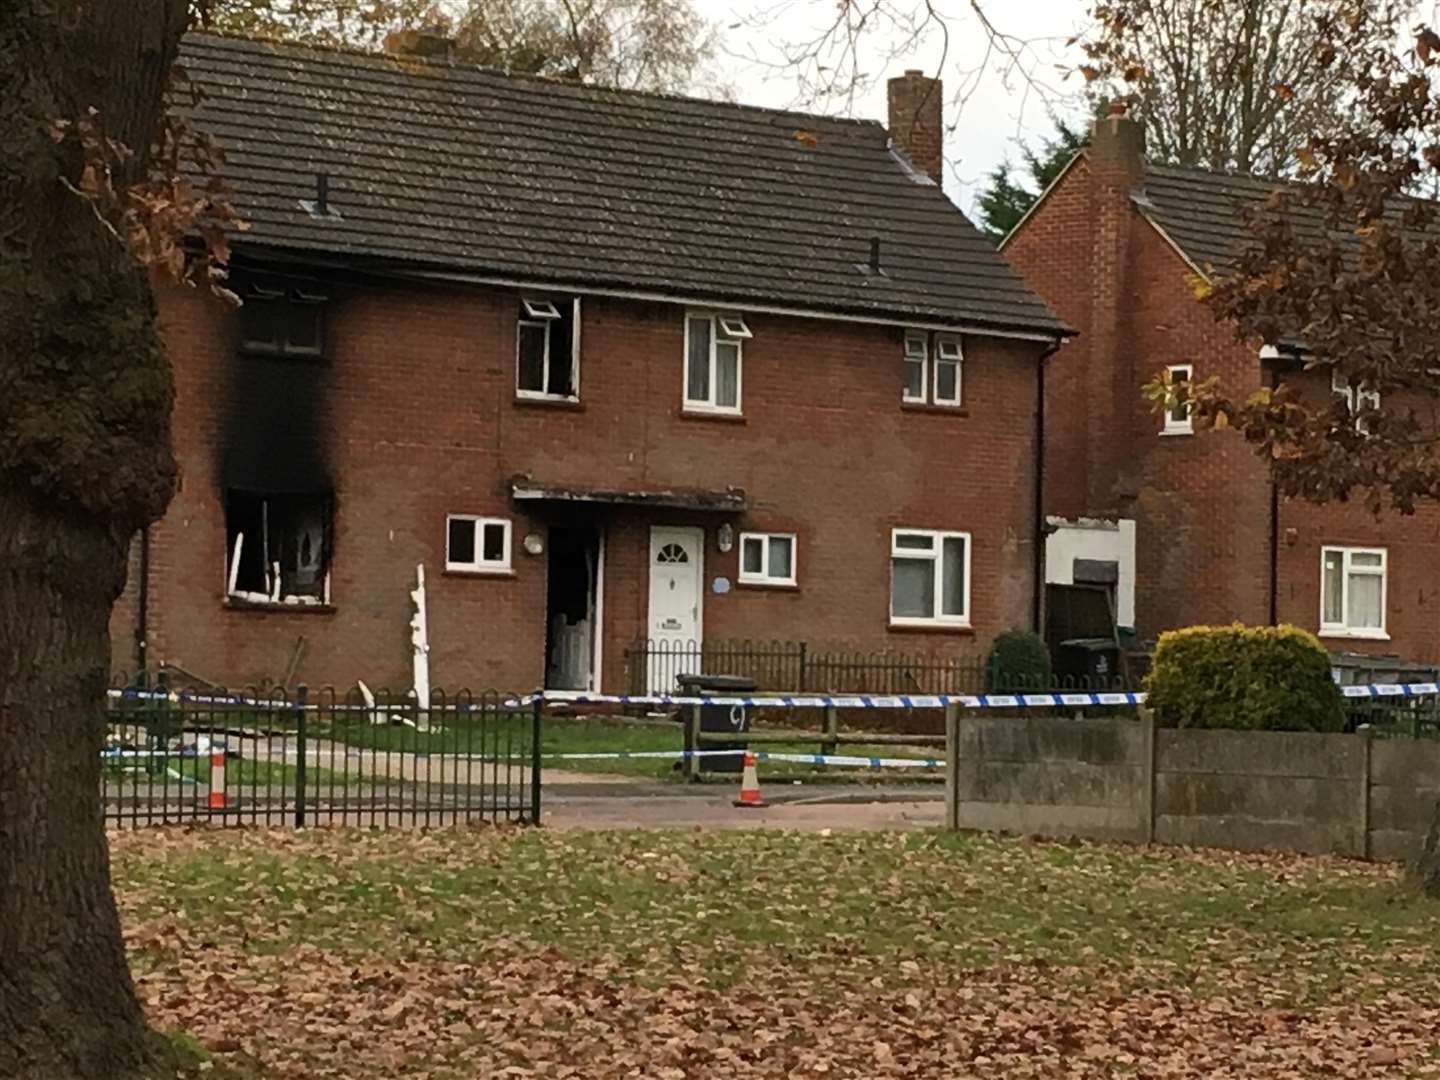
(912, 588)
(953, 577)
(780, 557)
(1332, 589)
(1366, 589)
(727, 374)
(697, 382)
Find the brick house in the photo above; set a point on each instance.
(1113, 246)
(608, 366)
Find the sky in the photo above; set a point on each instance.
(1002, 100)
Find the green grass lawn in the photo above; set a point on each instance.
(686, 954)
(239, 771)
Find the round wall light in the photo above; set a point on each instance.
(725, 538)
(533, 543)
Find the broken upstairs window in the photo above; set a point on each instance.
(278, 547)
(547, 351)
(276, 321)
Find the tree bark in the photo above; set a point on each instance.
(1427, 868)
(85, 460)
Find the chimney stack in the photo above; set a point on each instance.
(917, 118)
(427, 43)
(1117, 144)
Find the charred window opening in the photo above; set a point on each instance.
(278, 547)
(282, 321)
(547, 349)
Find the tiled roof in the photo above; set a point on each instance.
(447, 167)
(1199, 210)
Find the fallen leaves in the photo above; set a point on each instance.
(681, 955)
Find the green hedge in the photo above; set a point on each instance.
(1018, 660)
(1260, 678)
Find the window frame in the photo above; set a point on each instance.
(929, 349)
(480, 565)
(536, 313)
(941, 342)
(290, 297)
(1171, 425)
(708, 405)
(936, 557)
(1355, 397)
(765, 577)
(1344, 629)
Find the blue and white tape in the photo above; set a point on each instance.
(852, 760)
(1382, 690)
(852, 701)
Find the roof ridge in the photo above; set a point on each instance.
(401, 63)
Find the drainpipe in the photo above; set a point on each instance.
(142, 607)
(1274, 527)
(1037, 608)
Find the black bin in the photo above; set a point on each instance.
(1090, 663)
(720, 719)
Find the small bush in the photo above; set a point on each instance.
(1265, 678)
(1018, 660)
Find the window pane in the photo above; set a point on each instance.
(952, 579)
(562, 352)
(302, 326)
(727, 374)
(752, 555)
(697, 379)
(780, 556)
(915, 348)
(947, 380)
(1365, 613)
(532, 356)
(1331, 588)
(914, 541)
(914, 385)
(1360, 559)
(460, 547)
(912, 588)
(260, 324)
(494, 542)
(1181, 410)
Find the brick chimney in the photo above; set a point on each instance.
(1117, 172)
(427, 43)
(917, 118)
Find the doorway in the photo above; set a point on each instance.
(572, 608)
(676, 572)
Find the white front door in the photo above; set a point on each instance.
(677, 570)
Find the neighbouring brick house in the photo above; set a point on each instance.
(1114, 246)
(607, 365)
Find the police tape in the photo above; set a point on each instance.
(852, 760)
(1063, 699)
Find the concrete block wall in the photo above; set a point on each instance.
(1122, 779)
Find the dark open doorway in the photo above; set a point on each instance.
(572, 609)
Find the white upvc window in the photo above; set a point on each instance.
(767, 558)
(1356, 397)
(917, 366)
(929, 578)
(948, 358)
(932, 366)
(547, 349)
(477, 545)
(1178, 418)
(713, 361)
(1352, 592)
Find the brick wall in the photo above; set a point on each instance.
(1200, 502)
(424, 422)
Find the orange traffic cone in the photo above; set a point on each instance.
(750, 785)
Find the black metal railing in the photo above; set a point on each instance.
(318, 758)
(799, 667)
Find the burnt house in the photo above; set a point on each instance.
(603, 366)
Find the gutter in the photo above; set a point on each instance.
(1274, 526)
(142, 608)
(1041, 529)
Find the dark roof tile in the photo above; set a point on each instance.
(451, 167)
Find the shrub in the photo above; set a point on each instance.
(1018, 660)
(1265, 678)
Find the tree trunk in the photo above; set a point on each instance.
(85, 460)
(1427, 869)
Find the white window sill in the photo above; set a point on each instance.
(767, 583)
(1355, 635)
(930, 624)
(553, 399)
(1177, 431)
(710, 410)
(468, 570)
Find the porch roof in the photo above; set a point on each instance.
(728, 500)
